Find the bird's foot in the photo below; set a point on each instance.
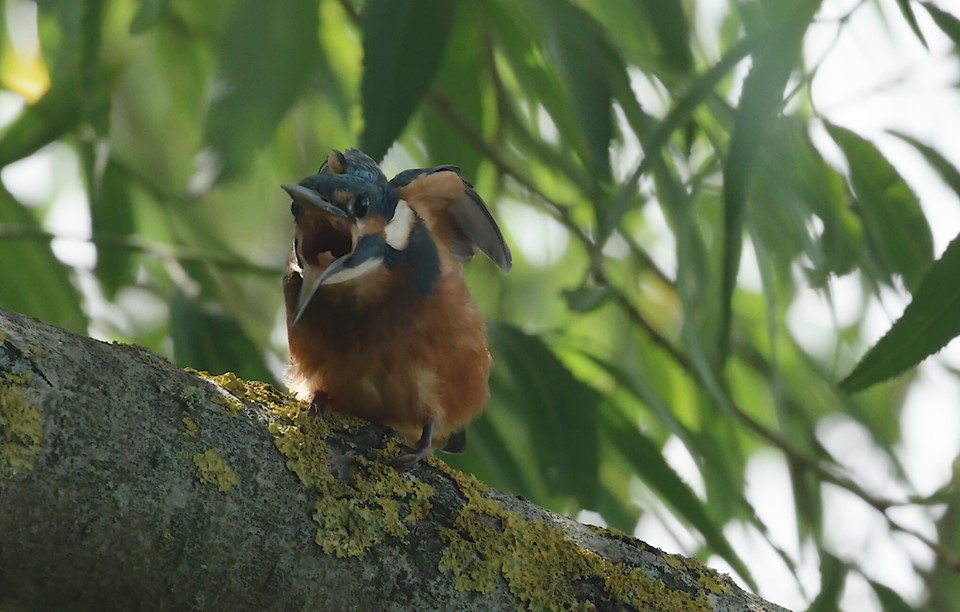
(413, 454)
(319, 404)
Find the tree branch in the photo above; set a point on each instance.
(127, 482)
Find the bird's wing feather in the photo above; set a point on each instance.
(441, 191)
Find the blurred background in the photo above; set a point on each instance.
(715, 206)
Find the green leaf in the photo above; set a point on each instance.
(61, 38)
(833, 576)
(490, 458)
(445, 142)
(585, 299)
(206, 338)
(403, 45)
(906, 8)
(559, 410)
(947, 171)
(890, 210)
(648, 462)
(71, 34)
(55, 114)
(672, 30)
(759, 104)
(581, 55)
(32, 280)
(112, 212)
(652, 35)
(928, 323)
(148, 15)
(678, 117)
(267, 55)
(515, 26)
(794, 174)
(70, 40)
(616, 501)
(890, 599)
(947, 22)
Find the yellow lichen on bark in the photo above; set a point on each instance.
(214, 469)
(539, 562)
(21, 433)
(190, 427)
(374, 502)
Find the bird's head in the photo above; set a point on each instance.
(353, 162)
(348, 227)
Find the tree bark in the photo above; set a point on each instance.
(128, 483)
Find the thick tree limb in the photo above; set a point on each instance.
(128, 483)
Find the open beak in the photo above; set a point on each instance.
(312, 279)
(367, 257)
(308, 196)
(325, 235)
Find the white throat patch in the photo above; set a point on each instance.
(348, 274)
(397, 232)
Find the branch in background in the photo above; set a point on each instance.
(177, 252)
(558, 211)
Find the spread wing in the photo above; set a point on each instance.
(441, 193)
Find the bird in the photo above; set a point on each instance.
(380, 323)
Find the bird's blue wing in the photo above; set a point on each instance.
(475, 227)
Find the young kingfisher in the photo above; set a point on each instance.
(379, 320)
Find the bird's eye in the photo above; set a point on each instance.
(361, 207)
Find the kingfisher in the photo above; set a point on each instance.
(380, 323)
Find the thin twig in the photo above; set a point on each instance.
(560, 212)
(136, 244)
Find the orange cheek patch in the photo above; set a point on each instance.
(373, 224)
(324, 259)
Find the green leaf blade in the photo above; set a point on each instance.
(759, 104)
(648, 461)
(148, 15)
(906, 8)
(112, 214)
(945, 21)
(947, 171)
(560, 412)
(206, 338)
(889, 208)
(32, 280)
(403, 45)
(583, 59)
(669, 22)
(928, 323)
(445, 142)
(890, 599)
(53, 116)
(256, 94)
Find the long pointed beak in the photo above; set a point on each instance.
(312, 279)
(340, 271)
(367, 257)
(300, 193)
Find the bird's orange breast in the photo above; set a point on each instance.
(391, 357)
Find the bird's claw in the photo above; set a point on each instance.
(410, 457)
(413, 454)
(318, 405)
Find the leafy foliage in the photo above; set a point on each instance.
(185, 117)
